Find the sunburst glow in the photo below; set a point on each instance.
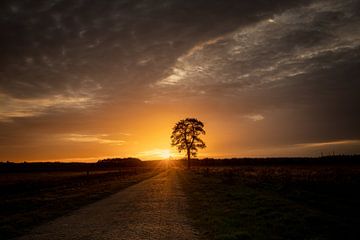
(157, 154)
(165, 154)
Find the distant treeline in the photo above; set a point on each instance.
(118, 163)
(324, 160)
(105, 164)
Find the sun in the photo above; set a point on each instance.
(165, 154)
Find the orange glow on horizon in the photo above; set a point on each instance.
(144, 132)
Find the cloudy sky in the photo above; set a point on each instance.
(83, 79)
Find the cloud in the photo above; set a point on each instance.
(303, 40)
(329, 144)
(255, 117)
(42, 99)
(12, 107)
(91, 138)
(50, 46)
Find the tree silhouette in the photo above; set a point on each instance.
(186, 136)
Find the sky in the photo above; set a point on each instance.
(82, 80)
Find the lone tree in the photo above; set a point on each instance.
(186, 136)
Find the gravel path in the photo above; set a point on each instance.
(153, 209)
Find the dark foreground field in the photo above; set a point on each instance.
(275, 202)
(32, 198)
(255, 199)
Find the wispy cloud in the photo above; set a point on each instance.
(91, 138)
(330, 143)
(293, 43)
(255, 117)
(12, 107)
(85, 96)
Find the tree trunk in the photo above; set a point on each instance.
(188, 156)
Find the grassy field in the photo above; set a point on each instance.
(29, 199)
(284, 202)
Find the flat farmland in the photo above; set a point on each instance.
(275, 202)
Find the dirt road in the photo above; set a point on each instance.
(153, 209)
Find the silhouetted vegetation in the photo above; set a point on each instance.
(332, 159)
(186, 136)
(101, 165)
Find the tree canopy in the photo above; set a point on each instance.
(186, 136)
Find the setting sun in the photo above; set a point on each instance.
(165, 154)
(154, 154)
